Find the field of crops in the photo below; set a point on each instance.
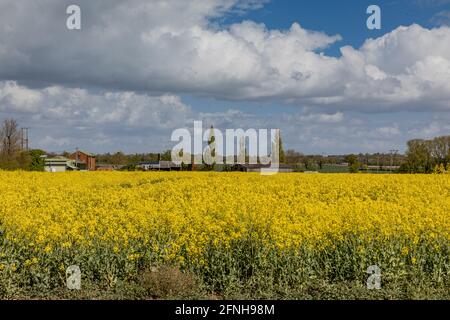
(237, 235)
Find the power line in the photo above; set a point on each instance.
(24, 139)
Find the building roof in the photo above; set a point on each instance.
(60, 161)
(86, 153)
(70, 165)
(168, 164)
(264, 166)
(149, 163)
(160, 164)
(56, 159)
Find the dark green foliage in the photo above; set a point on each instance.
(36, 160)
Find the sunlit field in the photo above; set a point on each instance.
(224, 235)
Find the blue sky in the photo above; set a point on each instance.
(346, 17)
(135, 73)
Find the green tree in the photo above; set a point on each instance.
(419, 157)
(282, 153)
(353, 163)
(212, 148)
(166, 155)
(354, 168)
(351, 159)
(37, 162)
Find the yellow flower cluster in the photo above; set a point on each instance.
(180, 214)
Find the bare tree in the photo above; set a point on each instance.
(440, 149)
(10, 137)
(424, 155)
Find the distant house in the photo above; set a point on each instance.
(84, 160)
(284, 168)
(106, 167)
(159, 166)
(59, 164)
(259, 167)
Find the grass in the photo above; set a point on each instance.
(250, 271)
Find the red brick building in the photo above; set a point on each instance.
(84, 160)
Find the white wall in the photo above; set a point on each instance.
(55, 168)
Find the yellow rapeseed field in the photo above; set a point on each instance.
(47, 210)
(50, 221)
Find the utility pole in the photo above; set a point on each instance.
(24, 139)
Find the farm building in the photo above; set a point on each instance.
(84, 160)
(59, 164)
(258, 167)
(106, 167)
(159, 166)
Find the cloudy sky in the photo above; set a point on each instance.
(139, 69)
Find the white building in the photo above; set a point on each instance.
(59, 164)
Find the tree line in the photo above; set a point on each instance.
(422, 156)
(12, 154)
(427, 156)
